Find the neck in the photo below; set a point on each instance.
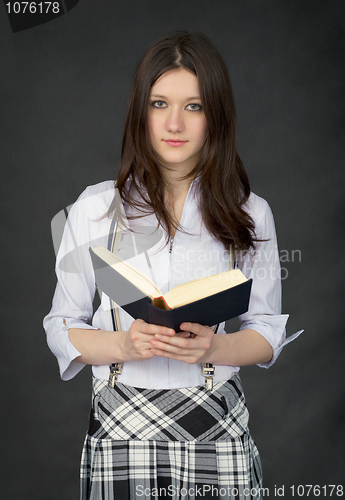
(175, 183)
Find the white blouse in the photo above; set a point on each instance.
(192, 256)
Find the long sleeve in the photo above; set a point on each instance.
(75, 289)
(263, 266)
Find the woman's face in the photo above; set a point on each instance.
(176, 120)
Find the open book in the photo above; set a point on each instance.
(207, 301)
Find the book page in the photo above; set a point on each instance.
(204, 287)
(128, 271)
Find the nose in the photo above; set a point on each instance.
(174, 122)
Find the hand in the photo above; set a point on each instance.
(192, 345)
(136, 344)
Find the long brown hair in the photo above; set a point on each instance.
(223, 182)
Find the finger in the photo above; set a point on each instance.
(170, 344)
(195, 328)
(165, 354)
(156, 329)
(187, 358)
(185, 335)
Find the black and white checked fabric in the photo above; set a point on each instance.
(169, 443)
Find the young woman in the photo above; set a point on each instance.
(181, 208)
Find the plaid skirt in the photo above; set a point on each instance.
(169, 443)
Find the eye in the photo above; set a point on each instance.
(158, 104)
(194, 107)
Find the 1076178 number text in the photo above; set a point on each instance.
(33, 7)
(306, 490)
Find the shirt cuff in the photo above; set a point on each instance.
(279, 349)
(272, 328)
(67, 364)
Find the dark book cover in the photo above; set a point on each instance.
(207, 311)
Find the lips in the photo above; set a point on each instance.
(174, 143)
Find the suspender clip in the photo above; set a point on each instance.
(207, 370)
(115, 370)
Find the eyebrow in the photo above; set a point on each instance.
(187, 99)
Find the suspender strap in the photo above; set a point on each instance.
(207, 369)
(114, 239)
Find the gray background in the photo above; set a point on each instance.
(64, 88)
